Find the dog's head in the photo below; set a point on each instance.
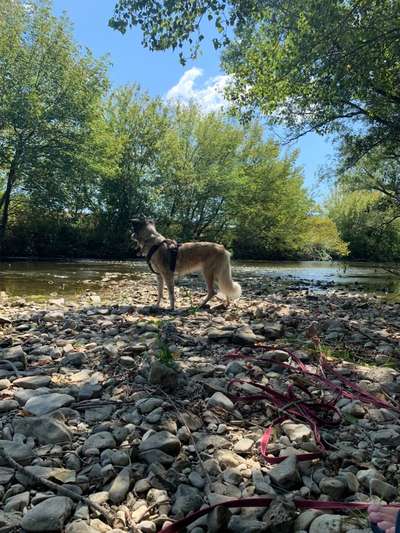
(141, 229)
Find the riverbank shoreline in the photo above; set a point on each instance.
(137, 411)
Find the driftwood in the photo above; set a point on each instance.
(58, 488)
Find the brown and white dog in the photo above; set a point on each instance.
(166, 258)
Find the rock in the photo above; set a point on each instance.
(218, 520)
(120, 486)
(216, 442)
(111, 349)
(354, 408)
(45, 429)
(99, 414)
(187, 499)
(100, 440)
(280, 516)
(163, 375)
(22, 453)
(245, 336)
(234, 368)
(273, 330)
(8, 405)
(32, 382)
(366, 476)
(147, 526)
(296, 432)
(50, 515)
(328, 523)
(243, 446)
(10, 520)
(382, 489)
(196, 480)
(220, 400)
(387, 437)
(5, 384)
(279, 356)
(285, 474)
(238, 524)
(23, 395)
(333, 487)
(215, 334)
(305, 518)
(139, 513)
(6, 475)
(53, 316)
(79, 526)
(53, 473)
(226, 458)
(17, 502)
(162, 440)
(351, 481)
(142, 486)
(15, 354)
(41, 405)
(148, 405)
(232, 476)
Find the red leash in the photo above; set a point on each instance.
(303, 409)
(265, 502)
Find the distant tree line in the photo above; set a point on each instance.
(310, 65)
(78, 161)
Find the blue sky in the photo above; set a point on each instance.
(161, 74)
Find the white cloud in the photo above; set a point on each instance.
(209, 95)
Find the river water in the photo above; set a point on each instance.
(42, 278)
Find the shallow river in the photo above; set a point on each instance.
(41, 278)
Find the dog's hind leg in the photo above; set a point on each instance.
(160, 286)
(211, 292)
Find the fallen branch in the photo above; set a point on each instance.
(57, 488)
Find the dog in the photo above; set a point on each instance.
(166, 259)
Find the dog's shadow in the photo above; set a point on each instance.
(154, 310)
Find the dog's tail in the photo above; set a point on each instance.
(230, 288)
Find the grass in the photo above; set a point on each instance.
(164, 354)
(341, 353)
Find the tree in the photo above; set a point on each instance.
(312, 65)
(271, 206)
(367, 223)
(50, 95)
(137, 124)
(200, 161)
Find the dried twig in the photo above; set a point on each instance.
(57, 488)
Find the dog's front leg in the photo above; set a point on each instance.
(160, 286)
(171, 292)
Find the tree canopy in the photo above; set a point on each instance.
(78, 161)
(311, 65)
(49, 96)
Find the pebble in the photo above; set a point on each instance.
(144, 453)
(50, 515)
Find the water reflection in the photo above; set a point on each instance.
(41, 278)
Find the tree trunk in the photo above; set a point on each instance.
(5, 203)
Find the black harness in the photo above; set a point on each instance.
(173, 248)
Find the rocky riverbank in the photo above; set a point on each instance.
(134, 412)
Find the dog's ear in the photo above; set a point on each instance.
(150, 221)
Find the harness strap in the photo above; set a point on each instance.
(173, 249)
(150, 254)
(173, 256)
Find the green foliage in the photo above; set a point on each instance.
(367, 223)
(77, 162)
(322, 239)
(49, 101)
(309, 64)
